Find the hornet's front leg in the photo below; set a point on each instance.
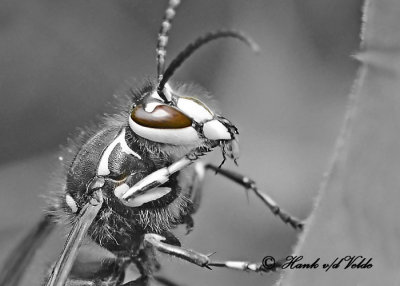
(249, 184)
(159, 177)
(199, 174)
(162, 175)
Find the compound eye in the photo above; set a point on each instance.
(162, 117)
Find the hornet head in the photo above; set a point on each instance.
(175, 117)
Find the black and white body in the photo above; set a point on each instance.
(143, 182)
(138, 176)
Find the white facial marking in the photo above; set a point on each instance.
(151, 106)
(155, 95)
(102, 169)
(71, 203)
(150, 195)
(121, 190)
(215, 130)
(180, 136)
(168, 91)
(194, 110)
(236, 264)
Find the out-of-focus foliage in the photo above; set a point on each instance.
(357, 211)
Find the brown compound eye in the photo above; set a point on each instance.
(162, 117)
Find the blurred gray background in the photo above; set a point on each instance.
(61, 62)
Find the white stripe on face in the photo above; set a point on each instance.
(167, 92)
(194, 109)
(150, 106)
(215, 130)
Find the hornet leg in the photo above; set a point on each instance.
(249, 184)
(200, 259)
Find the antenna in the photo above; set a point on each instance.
(162, 39)
(196, 44)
